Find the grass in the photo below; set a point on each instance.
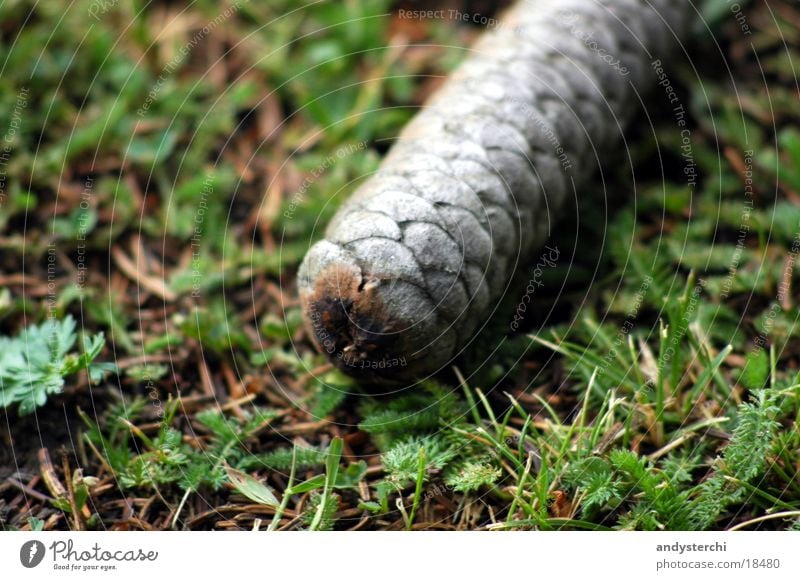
(654, 386)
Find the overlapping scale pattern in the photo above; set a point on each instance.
(414, 262)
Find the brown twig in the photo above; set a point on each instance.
(73, 504)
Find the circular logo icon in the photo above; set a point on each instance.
(31, 553)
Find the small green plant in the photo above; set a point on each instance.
(167, 458)
(34, 364)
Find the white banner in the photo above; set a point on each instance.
(351, 555)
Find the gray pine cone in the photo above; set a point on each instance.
(414, 263)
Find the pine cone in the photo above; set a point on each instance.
(415, 262)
